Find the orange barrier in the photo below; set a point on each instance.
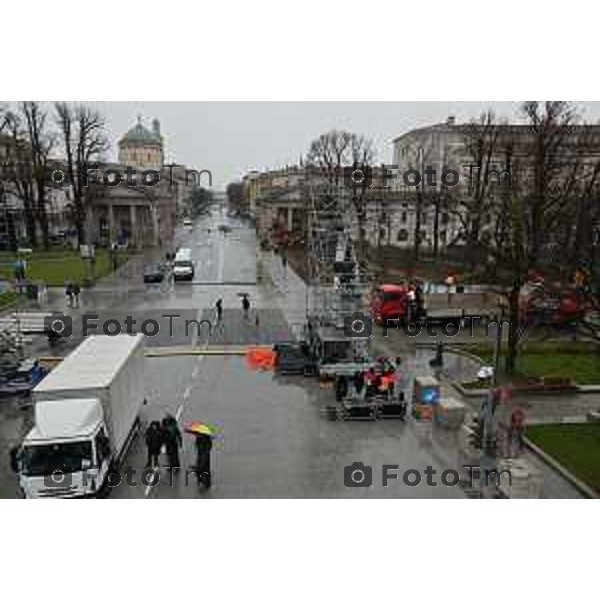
(261, 358)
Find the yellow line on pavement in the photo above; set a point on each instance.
(203, 351)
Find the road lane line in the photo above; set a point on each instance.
(187, 392)
(179, 411)
(221, 264)
(149, 488)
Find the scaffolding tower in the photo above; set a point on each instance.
(338, 283)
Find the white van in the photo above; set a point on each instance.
(183, 267)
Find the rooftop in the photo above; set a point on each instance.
(141, 135)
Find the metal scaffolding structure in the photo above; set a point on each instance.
(338, 282)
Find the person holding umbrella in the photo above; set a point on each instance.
(203, 448)
(203, 434)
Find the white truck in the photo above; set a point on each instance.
(86, 414)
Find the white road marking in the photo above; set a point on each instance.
(186, 396)
(221, 263)
(149, 488)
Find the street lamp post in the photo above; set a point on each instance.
(487, 409)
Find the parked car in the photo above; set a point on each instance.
(154, 273)
(294, 357)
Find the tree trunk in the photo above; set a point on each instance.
(417, 232)
(42, 214)
(513, 335)
(30, 221)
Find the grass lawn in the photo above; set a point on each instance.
(575, 446)
(56, 266)
(578, 361)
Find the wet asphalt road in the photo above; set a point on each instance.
(273, 440)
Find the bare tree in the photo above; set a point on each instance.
(483, 145)
(41, 143)
(331, 158)
(529, 215)
(235, 196)
(83, 133)
(553, 167)
(17, 171)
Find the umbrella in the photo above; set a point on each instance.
(200, 428)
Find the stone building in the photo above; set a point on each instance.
(446, 146)
(133, 213)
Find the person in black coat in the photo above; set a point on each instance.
(203, 448)
(172, 439)
(154, 441)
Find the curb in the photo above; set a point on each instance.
(482, 393)
(454, 350)
(588, 389)
(585, 489)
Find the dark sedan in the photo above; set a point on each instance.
(154, 273)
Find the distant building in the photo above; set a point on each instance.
(142, 147)
(445, 146)
(277, 200)
(138, 215)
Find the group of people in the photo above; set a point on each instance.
(375, 381)
(167, 434)
(72, 291)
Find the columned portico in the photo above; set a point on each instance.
(111, 225)
(135, 238)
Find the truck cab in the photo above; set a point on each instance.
(86, 413)
(67, 453)
(389, 302)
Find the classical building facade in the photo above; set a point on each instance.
(138, 215)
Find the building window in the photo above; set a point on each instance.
(403, 217)
(402, 235)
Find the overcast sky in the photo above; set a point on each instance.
(231, 138)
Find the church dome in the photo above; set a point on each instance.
(141, 135)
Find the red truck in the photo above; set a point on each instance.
(544, 304)
(393, 305)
